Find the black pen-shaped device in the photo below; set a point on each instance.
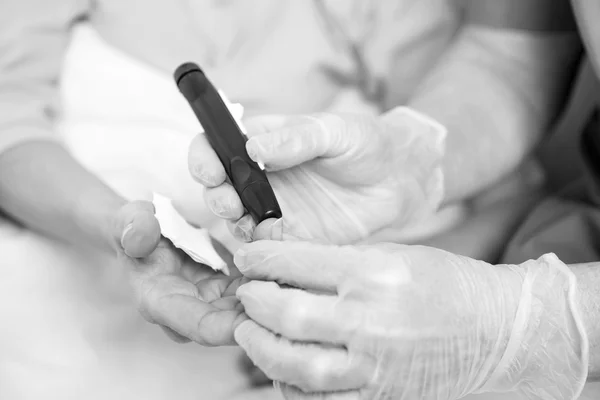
(229, 142)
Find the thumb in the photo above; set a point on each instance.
(299, 140)
(137, 229)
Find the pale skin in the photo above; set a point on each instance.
(43, 187)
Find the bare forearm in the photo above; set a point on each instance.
(497, 91)
(44, 188)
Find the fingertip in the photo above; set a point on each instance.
(254, 149)
(208, 175)
(253, 294)
(243, 228)
(243, 332)
(240, 291)
(224, 202)
(269, 229)
(203, 163)
(217, 328)
(141, 236)
(239, 260)
(241, 318)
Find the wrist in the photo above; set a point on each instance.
(511, 283)
(547, 348)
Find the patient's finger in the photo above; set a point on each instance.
(243, 228)
(137, 229)
(174, 336)
(173, 302)
(311, 367)
(203, 163)
(217, 287)
(224, 202)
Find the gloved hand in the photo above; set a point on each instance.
(189, 301)
(338, 177)
(409, 322)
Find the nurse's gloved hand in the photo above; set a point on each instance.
(338, 177)
(409, 322)
(190, 301)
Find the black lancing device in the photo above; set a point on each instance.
(229, 142)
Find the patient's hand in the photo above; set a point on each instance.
(188, 300)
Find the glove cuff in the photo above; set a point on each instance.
(547, 354)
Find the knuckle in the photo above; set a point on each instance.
(308, 138)
(146, 293)
(203, 334)
(216, 202)
(296, 317)
(385, 273)
(390, 280)
(163, 262)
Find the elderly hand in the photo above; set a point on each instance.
(189, 301)
(338, 177)
(408, 322)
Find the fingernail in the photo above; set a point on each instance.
(127, 229)
(240, 292)
(204, 177)
(254, 148)
(239, 259)
(242, 332)
(219, 207)
(251, 149)
(245, 232)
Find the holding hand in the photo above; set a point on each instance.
(408, 322)
(338, 177)
(189, 301)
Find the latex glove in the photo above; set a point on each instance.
(338, 177)
(189, 301)
(409, 322)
